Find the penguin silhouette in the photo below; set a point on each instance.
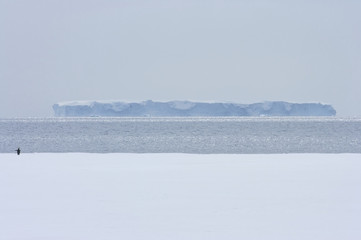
(18, 151)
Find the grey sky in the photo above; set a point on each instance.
(223, 50)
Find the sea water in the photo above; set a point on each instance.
(182, 135)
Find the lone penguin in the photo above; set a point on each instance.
(18, 151)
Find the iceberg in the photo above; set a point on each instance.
(188, 109)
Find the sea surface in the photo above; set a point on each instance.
(182, 135)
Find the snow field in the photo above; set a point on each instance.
(180, 196)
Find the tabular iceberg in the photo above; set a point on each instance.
(187, 108)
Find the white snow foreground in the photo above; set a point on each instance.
(180, 196)
(187, 108)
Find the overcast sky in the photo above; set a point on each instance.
(241, 51)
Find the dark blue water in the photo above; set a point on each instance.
(182, 135)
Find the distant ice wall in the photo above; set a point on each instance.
(187, 108)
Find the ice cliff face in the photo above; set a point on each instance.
(187, 108)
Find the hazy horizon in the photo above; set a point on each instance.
(223, 51)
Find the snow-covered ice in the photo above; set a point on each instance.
(180, 196)
(187, 108)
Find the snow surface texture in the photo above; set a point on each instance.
(180, 196)
(187, 108)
